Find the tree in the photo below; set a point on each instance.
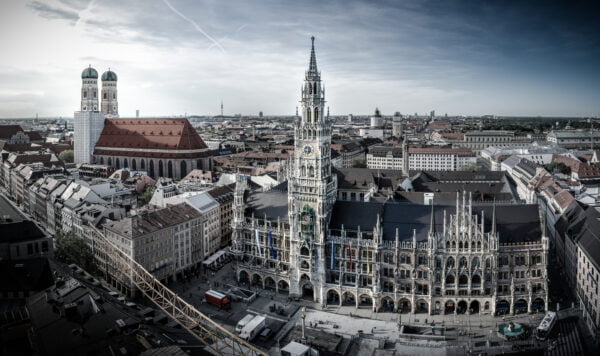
(74, 249)
(360, 163)
(66, 156)
(147, 195)
(558, 167)
(471, 167)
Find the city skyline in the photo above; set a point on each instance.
(178, 57)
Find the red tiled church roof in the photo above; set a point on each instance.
(146, 133)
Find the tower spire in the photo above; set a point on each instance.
(494, 218)
(432, 223)
(312, 67)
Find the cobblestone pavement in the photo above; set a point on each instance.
(463, 330)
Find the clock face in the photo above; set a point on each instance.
(307, 150)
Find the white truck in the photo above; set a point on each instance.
(243, 322)
(253, 328)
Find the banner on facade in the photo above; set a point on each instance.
(273, 251)
(332, 256)
(258, 242)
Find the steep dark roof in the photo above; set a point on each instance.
(354, 178)
(589, 235)
(17, 228)
(515, 223)
(29, 275)
(272, 203)
(34, 136)
(8, 131)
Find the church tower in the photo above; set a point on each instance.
(89, 89)
(311, 188)
(88, 121)
(110, 106)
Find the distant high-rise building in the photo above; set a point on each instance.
(89, 122)
(137, 114)
(110, 106)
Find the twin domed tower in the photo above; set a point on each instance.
(89, 92)
(89, 120)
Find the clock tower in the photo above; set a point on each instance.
(312, 188)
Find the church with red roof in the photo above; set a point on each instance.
(163, 147)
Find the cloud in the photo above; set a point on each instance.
(77, 4)
(53, 13)
(409, 56)
(196, 26)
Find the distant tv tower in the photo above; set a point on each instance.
(221, 107)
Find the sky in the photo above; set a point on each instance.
(178, 57)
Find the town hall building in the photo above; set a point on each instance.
(385, 254)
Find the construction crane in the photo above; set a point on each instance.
(213, 336)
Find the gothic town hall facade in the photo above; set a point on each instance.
(384, 254)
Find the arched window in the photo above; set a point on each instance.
(476, 279)
(143, 165)
(101, 160)
(199, 164)
(303, 171)
(462, 262)
(133, 164)
(125, 164)
(109, 161)
(183, 169)
(315, 88)
(460, 245)
(466, 245)
(475, 262)
(463, 279)
(170, 169)
(450, 279)
(161, 172)
(304, 251)
(316, 114)
(117, 163)
(450, 262)
(308, 115)
(151, 168)
(311, 171)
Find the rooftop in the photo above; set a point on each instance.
(139, 225)
(515, 223)
(171, 134)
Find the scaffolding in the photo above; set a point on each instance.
(216, 339)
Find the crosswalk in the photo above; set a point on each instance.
(568, 339)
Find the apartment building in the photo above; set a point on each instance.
(161, 241)
(385, 157)
(440, 158)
